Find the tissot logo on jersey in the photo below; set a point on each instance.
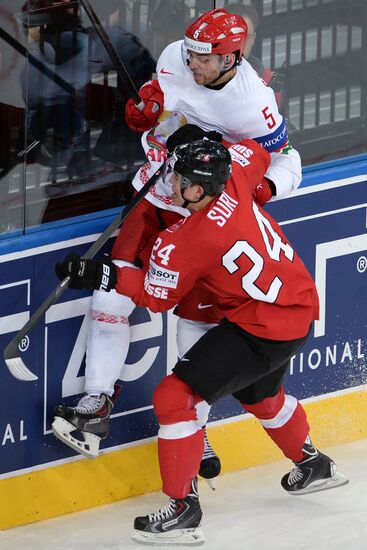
(162, 277)
(223, 209)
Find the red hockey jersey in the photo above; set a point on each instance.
(239, 253)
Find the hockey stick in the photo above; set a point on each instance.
(19, 157)
(36, 62)
(12, 357)
(122, 72)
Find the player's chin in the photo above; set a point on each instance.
(199, 79)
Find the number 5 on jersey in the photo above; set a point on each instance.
(269, 118)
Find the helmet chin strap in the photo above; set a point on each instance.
(187, 201)
(226, 68)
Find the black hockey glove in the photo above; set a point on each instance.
(187, 133)
(91, 274)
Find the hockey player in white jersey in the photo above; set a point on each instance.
(204, 80)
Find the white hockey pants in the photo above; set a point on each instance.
(188, 333)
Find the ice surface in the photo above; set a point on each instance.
(248, 511)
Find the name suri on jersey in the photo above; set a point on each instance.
(222, 209)
(225, 205)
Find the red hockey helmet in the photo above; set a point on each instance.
(217, 31)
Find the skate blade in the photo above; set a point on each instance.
(336, 480)
(177, 537)
(212, 482)
(62, 429)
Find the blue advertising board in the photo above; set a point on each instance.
(327, 224)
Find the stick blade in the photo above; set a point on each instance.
(19, 370)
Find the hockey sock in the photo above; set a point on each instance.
(284, 420)
(179, 462)
(180, 436)
(108, 341)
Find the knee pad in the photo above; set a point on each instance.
(174, 401)
(202, 412)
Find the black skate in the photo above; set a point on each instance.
(91, 417)
(316, 472)
(177, 523)
(210, 465)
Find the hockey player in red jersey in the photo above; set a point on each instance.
(92, 413)
(218, 91)
(238, 253)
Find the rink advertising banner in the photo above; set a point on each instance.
(327, 225)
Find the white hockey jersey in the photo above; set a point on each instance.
(244, 108)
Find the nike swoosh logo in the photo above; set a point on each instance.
(163, 71)
(204, 306)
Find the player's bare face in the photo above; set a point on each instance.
(206, 68)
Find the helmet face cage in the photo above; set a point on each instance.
(168, 170)
(185, 182)
(217, 32)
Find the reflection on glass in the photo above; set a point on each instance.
(66, 150)
(85, 145)
(12, 110)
